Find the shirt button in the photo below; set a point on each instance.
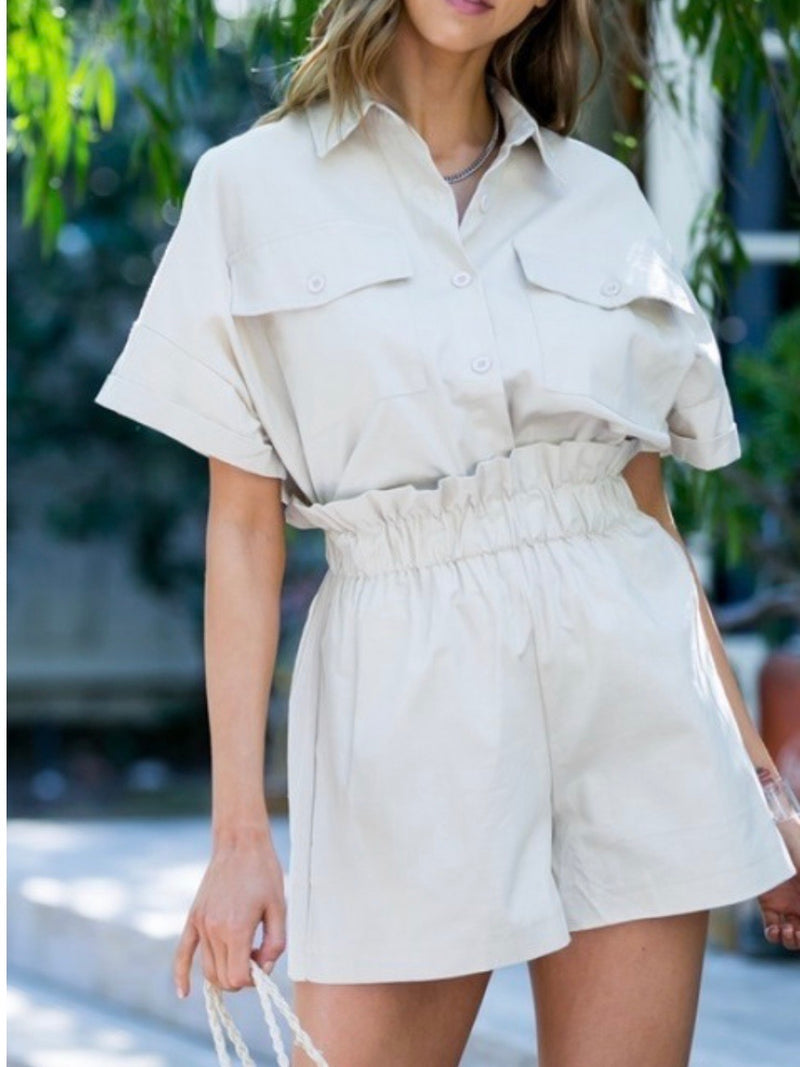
(611, 287)
(461, 278)
(481, 364)
(315, 282)
(484, 202)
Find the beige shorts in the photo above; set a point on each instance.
(505, 724)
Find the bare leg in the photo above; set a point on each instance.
(395, 1024)
(623, 995)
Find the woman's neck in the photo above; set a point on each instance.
(441, 94)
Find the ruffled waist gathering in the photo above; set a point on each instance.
(535, 492)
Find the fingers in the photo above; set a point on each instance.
(217, 935)
(274, 941)
(182, 961)
(781, 929)
(226, 945)
(226, 948)
(235, 953)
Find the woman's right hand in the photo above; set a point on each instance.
(242, 886)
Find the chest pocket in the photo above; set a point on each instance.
(612, 326)
(334, 303)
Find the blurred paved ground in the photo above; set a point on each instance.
(94, 909)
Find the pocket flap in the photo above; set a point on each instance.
(609, 280)
(309, 267)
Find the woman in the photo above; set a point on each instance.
(454, 338)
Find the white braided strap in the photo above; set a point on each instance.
(219, 1017)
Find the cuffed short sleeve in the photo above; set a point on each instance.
(701, 423)
(181, 371)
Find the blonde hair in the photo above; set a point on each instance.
(539, 61)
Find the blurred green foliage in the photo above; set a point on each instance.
(749, 46)
(73, 467)
(757, 512)
(65, 66)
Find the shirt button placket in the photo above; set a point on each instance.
(474, 364)
(482, 363)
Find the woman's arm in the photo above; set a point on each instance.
(245, 564)
(243, 883)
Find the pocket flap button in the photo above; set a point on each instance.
(611, 287)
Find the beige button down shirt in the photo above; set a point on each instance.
(321, 315)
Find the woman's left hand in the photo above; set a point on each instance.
(780, 907)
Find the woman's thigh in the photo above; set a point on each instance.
(622, 995)
(395, 1024)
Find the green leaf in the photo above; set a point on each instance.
(36, 176)
(106, 97)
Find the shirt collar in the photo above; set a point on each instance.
(519, 123)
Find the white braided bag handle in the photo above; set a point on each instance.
(219, 1017)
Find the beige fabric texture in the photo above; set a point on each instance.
(505, 722)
